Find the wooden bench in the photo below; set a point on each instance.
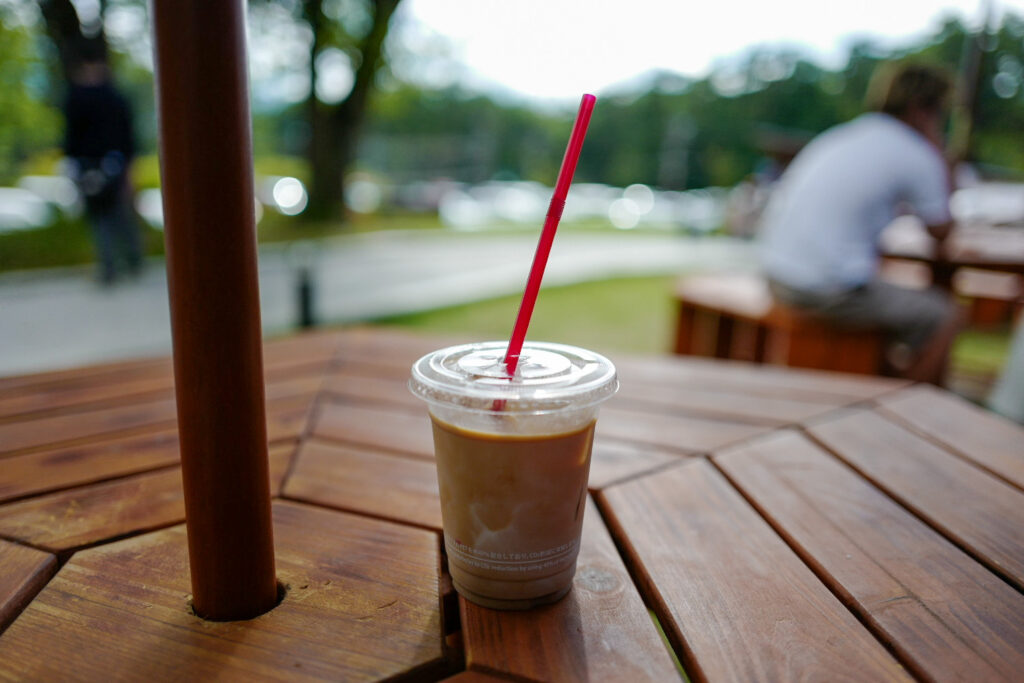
(994, 299)
(733, 315)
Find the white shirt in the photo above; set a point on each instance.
(820, 230)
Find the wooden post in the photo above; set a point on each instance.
(210, 233)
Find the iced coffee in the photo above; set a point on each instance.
(513, 456)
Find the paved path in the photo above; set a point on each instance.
(60, 318)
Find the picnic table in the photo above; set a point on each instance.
(998, 249)
(744, 523)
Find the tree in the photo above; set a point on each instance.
(335, 128)
(356, 27)
(27, 124)
(65, 30)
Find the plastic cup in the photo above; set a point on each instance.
(513, 457)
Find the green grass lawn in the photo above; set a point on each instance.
(634, 315)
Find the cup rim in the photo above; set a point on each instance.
(579, 378)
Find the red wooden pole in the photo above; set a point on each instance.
(210, 234)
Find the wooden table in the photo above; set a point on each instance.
(774, 524)
(978, 247)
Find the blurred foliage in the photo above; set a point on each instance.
(281, 165)
(146, 171)
(667, 130)
(678, 133)
(66, 242)
(27, 122)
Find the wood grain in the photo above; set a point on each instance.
(979, 512)
(86, 393)
(737, 405)
(990, 440)
(39, 472)
(612, 461)
(362, 387)
(476, 677)
(83, 463)
(599, 632)
(288, 418)
(893, 569)
(90, 374)
(78, 427)
(278, 353)
(767, 380)
(359, 480)
(23, 573)
(731, 595)
(81, 427)
(403, 431)
(362, 605)
(679, 433)
(88, 515)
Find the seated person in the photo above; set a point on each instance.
(819, 233)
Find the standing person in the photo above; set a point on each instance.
(819, 234)
(100, 143)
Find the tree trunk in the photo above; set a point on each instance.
(335, 129)
(65, 30)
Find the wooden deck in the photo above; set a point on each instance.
(774, 524)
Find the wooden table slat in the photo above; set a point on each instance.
(476, 677)
(988, 439)
(306, 354)
(679, 433)
(362, 605)
(977, 511)
(734, 405)
(47, 431)
(613, 461)
(85, 375)
(352, 385)
(376, 426)
(859, 540)
(599, 632)
(769, 380)
(43, 471)
(25, 572)
(382, 485)
(134, 418)
(304, 378)
(86, 395)
(730, 594)
(87, 515)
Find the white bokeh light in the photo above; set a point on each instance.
(334, 76)
(290, 196)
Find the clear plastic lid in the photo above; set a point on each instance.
(549, 377)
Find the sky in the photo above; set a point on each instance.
(555, 50)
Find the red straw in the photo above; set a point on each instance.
(547, 235)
